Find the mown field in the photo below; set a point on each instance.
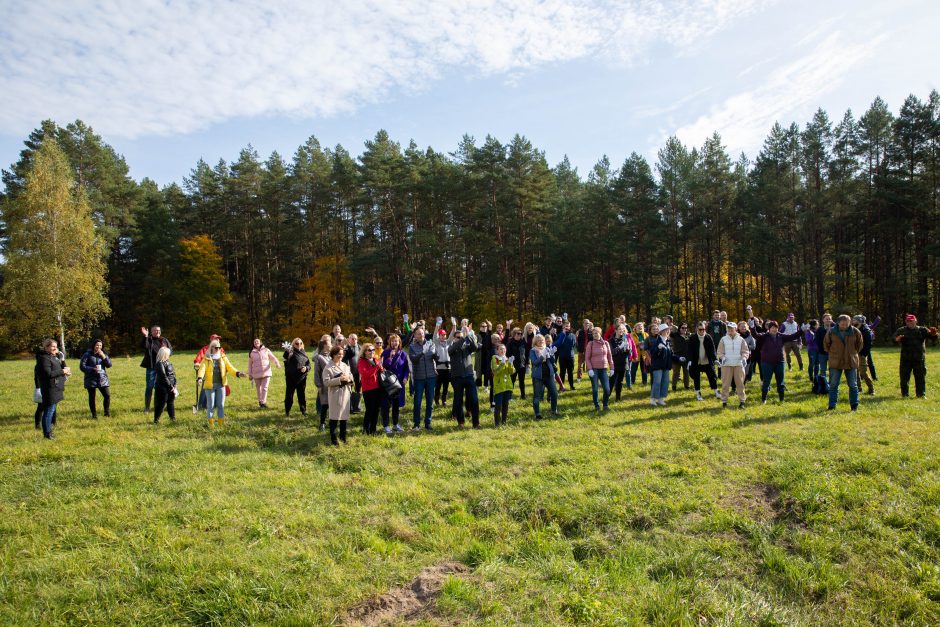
(777, 514)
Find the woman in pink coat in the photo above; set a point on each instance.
(259, 370)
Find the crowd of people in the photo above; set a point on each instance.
(437, 364)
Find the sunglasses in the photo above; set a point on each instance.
(368, 350)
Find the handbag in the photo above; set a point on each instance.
(37, 396)
(389, 383)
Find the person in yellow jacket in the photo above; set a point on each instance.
(213, 375)
(503, 369)
(639, 338)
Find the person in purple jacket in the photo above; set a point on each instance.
(812, 351)
(770, 345)
(395, 359)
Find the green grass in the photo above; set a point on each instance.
(778, 514)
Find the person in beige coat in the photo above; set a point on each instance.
(732, 355)
(338, 381)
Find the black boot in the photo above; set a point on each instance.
(781, 396)
(333, 425)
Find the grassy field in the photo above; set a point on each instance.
(777, 514)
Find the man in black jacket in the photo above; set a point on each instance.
(680, 346)
(463, 345)
(701, 358)
(152, 342)
(912, 339)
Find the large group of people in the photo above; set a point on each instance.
(436, 364)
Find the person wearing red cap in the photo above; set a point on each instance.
(912, 339)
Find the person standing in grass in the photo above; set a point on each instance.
(259, 370)
(660, 351)
(913, 341)
(770, 345)
(821, 355)
(351, 359)
(502, 368)
(701, 357)
(621, 349)
(395, 359)
(213, 374)
(441, 365)
(518, 349)
(680, 346)
(812, 351)
(599, 361)
(867, 338)
(421, 352)
(51, 382)
(543, 375)
(745, 332)
(165, 391)
(152, 342)
(790, 327)
(639, 338)
(370, 365)
(339, 381)
(94, 363)
(320, 362)
(565, 343)
(732, 355)
(40, 406)
(296, 367)
(581, 339)
(843, 343)
(463, 345)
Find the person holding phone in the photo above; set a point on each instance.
(94, 363)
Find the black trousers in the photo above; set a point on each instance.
(298, 386)
(342, 430)
(696, 371)
(164, 398)
(373, 400)
(322, 408)
(440, 388)
(917, 367)
(520, 372)
(566, 364)
(106, 393)
(616, 384)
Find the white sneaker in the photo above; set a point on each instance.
(654, 402)
(717, 394)
(698, 395)
(416, 429)
(398, 429)
(388, 431)
(662, 402)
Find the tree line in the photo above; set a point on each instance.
(827, 217)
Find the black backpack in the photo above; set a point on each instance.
(820, 385)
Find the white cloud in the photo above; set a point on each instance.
(150, 67)
(794, 89)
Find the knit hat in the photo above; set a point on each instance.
(859, 318)
(910, 318)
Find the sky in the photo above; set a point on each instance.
(169, 82)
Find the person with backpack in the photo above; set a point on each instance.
(259, 370)
(868, 337)
(843, 343)
(94, 363)
(732, 354)
(701, 358)
(599, 361)
(296, 367)
(659, 349)
(152, 342)
(770, 345)
(913, 341)
(543, 375)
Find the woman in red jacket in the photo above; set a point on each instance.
(370, 365)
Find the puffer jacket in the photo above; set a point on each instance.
(733, 350)
(461, 356)
(422, 360)
(93, 377)
(259, 362)
(844, 351)
(660, 352)
(205, 372)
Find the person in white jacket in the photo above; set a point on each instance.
(732, 355)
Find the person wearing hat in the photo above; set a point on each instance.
(733, 352)
(441, 364)
(868, 337)
(912, 339)
(790, 327)
(843, 343)
(659, 349)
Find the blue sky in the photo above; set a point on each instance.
(166, 83)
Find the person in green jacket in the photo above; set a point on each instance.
(502, 369)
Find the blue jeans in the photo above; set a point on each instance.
(151, 375)
(47, 418)
(823, 359)
(851, 377)
(215, 402)
(772, 370)
(600, 377)
(538, 389)
(466, 386)
(660, 384)
(813, 365)
(424, 388)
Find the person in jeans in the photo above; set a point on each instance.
(421, 352)
(622, 349)
(599, 361)
(733, 352)
(912, 339)
(502, 368)
(565, 343)
(770, 345)
(659, 349)
(820, 337)
(843, 343)
(94, 363)
(543, 375)
(463, 344)
(812, 351)
(701, 358)
(370, 365)
(213, 374)
(152, 342)
(790, 327)
(51, 382)
(867, 338)
(164, 390)
(680, 346)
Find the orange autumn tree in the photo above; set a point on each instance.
(323, 299)
(201, 293)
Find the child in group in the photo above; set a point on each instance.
(502, 368)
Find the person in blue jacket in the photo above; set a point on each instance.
(94, 363)
(543, 375)
(565, 343)
(659, 349)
